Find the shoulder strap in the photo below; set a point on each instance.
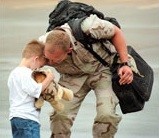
(75, 25)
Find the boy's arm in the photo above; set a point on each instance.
(49, 78)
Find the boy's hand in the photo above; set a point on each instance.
(49, 75)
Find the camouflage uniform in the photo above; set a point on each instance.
(81, 72)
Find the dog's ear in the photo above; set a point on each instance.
(38, 76)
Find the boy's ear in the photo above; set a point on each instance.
(36, 58)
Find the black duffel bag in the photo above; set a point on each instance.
(132, 97)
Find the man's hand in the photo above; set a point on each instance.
(126, 75)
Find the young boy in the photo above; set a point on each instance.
(23, 89)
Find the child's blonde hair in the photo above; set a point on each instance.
(33, 48)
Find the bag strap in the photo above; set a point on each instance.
(75, 25)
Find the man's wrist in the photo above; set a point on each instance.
(124, 64)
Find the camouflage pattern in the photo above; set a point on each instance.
(81, 73)
(106, 121)
(53, 93)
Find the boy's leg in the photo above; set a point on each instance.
(24, 128)
(35, 129)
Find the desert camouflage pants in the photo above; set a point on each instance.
(106, 120)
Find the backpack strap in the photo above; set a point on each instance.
(75, 25)
(113, 21)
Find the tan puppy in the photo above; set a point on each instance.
(53, 93)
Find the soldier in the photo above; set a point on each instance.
(81, 72)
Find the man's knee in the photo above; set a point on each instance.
(105, 126)
(60, 126)
(108, 117)
(104, 130)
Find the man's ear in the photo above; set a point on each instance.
(69, 50)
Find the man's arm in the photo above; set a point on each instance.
(119, 42)
(125, 72)
(102, 29)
